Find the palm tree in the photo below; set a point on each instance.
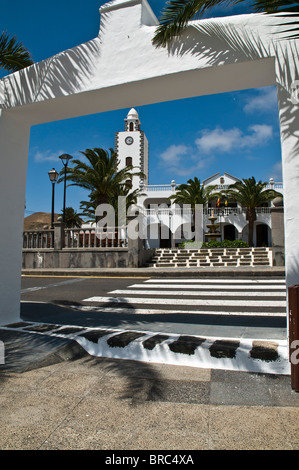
(251, 194)
(72, 218)
(193, 193)
(89, 207)
(13, 55)
(100, 175)
(177, 14)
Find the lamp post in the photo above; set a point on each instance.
(53, 175)
(65, 158)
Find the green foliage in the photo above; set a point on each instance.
(177, 13)
(216, 244)
(225, 244)
(13, 55)
(193, 192)
(72, 218)
(99, 174)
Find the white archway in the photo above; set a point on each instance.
(121, 68)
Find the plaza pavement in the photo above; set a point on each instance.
(55, 396)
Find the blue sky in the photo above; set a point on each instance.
(237, 133)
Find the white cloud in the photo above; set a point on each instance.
(265, 100)
(220, 140)
(181, 160)
(173, 154)
(47, 156)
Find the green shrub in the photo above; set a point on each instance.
(215, 244)
(225, 244)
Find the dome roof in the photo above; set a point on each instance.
(132, 114)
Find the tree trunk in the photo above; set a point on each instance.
(251, 217)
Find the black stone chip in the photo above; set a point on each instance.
(42, 328)
(69, 330)
(151, 342)
(95, 335)
(224, 349)
(123, 339)
(186, 344)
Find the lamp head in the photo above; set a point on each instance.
(53, 175)
(65, 158)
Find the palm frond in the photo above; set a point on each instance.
(13, 55)
(177, 14)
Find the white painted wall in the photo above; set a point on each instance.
(121, 68)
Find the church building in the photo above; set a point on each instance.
(165, 219)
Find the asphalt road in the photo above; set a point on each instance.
(116, 303)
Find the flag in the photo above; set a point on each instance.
(226, 202)
(218, 202)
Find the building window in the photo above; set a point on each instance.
(129, 184)
(129, 161)
(131, 126)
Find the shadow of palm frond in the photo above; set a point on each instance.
(60, 75)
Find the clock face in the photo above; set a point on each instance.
(129, 140)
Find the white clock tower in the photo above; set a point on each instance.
(131, 147)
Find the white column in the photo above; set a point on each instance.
(14, 143)
(289, 129)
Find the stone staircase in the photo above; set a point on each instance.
(209, 257)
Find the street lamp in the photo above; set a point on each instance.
(53, 175)
(65, 158)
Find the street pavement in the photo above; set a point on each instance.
(56, 395)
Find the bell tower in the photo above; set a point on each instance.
(131, 146)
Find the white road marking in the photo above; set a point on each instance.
(182, 293)
(217, 281)
(220, 302)
(211, 287)
(144, 311)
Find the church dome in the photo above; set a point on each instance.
(132, 114)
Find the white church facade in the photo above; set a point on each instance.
(165, 220)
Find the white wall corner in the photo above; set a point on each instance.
(138, 12)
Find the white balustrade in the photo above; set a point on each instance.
(38, 239)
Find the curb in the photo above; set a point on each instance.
(260, 356)
(160, 272)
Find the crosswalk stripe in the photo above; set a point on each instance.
(174, 301)
(198, 294)
(146, 311)
(211, 287)
(217, 281)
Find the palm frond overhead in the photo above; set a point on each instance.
(13, 55)
(177, 14)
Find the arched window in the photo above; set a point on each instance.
(129, 161)
(129, 184)
(131, 126)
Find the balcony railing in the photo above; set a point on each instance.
(159, 187)
(115, 237)
(222, 211)
(172, 187)
(38, 239)
(219, 211)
